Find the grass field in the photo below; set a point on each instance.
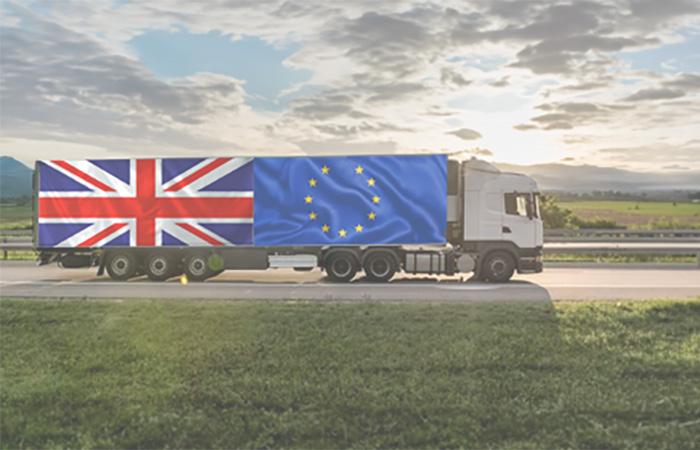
(15, 217)
(638, 214)
(200, 374)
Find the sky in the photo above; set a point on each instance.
(612, 83)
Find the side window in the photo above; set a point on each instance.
(516, 204)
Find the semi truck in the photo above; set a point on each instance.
(376, 214)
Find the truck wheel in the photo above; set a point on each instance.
(379, 267)
(341, 267)
(498, 266)
(197, 267)
(121, 265)
(160, 266)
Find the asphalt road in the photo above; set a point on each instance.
(24, 279)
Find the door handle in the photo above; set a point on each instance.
(506, 230)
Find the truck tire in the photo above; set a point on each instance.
(159, 266)
(341, 267)
(121, 265)
(379, 266)
(498, 266)
(197, 267)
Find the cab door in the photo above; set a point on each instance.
(518, 223)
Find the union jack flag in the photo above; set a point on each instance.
(145, 202)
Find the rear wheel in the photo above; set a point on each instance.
(341, 267)
(121, 265)
(379, 267)
(197, 267)
(160, 266)
(498, 266)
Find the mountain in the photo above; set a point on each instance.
(586, 178)
(15, 178)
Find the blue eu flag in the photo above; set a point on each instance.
(350, 200)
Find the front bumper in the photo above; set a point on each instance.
(531, 262)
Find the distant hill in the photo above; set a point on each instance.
(15, 178)
(586, 178)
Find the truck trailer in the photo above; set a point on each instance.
(377, 214)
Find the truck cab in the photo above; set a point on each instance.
(500, 217)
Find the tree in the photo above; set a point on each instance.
(553, 215)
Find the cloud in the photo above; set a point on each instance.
(480, 152)
(655, 154)
(654, 94)
(466, 134)
(387, 76)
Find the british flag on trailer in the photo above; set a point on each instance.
(145, 202)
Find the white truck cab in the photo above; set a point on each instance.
(500, 216)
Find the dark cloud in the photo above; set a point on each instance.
(324, 107)
(466, 134)
(451, 77)
(567, 115)
(654, 94)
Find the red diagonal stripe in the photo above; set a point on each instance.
(80, 174)
(199, 234)
(101, 235)
(197, 174)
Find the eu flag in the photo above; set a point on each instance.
(350, 200)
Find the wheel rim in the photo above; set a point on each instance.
(158, 266)
(120, 265)
(341, 267)
(380, 267)
(498, 267)
(198, 267)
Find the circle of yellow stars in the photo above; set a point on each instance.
(342, 232)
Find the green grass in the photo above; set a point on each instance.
(15, 217)
(638, 214)
(201, 374)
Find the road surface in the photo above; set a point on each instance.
(24, 279)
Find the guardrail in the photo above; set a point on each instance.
(590, 242)
(620, 235)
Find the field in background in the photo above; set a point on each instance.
(15, 216)
(205, 374)
(636, 214)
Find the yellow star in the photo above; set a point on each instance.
(359, 170)
(372, 216)
(375, 199)
(325, 170)
(342, 232)
(325, 228)
(312, 182)
(308, 199)
(359, 228)
(371, 182)
(312, 215)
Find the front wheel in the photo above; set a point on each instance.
(498, 266)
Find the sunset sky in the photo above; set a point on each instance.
(605, 82)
